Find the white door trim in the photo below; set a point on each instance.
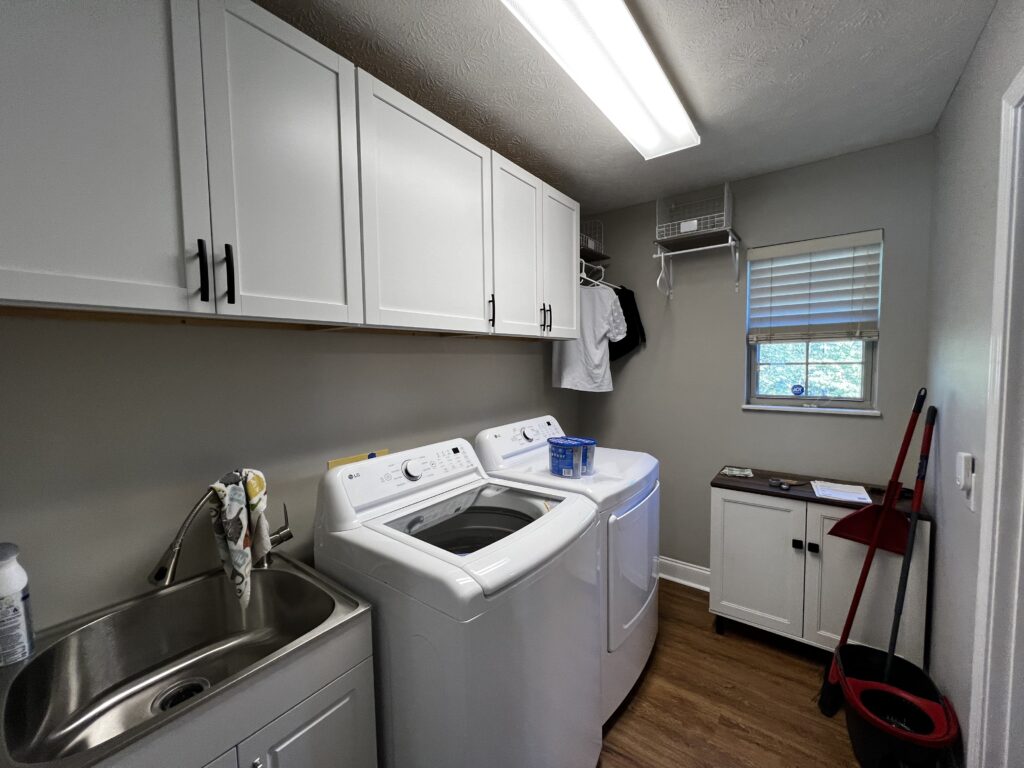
(998, 636)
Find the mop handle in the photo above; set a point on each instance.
(908, 436)
(892, 494)
(915, 511)
(922, 464)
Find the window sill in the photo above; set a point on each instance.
(814, 409)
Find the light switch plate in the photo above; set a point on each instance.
(964, 477)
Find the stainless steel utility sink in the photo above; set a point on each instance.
(101, 682)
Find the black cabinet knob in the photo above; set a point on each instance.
(798, 544)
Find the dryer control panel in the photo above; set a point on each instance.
(498, 444)
(368, 483)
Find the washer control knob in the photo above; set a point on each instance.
(412, 469)
(530, 434)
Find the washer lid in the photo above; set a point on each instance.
(495, 532)
(619, 475)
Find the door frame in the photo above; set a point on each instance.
(998, 630)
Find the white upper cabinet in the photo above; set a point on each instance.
(536, 251)
(426, 216)
(519, 307)
(561, 251)
(284, 187)
(204, 156)
(103, 189)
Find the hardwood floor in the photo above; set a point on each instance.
(745, 699)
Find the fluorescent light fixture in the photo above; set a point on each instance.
(599, 45)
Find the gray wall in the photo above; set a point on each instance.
(963, 240)
(112, 430)
(680, 397)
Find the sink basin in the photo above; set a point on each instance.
(116, 675)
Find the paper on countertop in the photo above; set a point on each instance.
(839, 492)
(737, 472)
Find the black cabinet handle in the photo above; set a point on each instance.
(204, 273)
(813, 548)
(543, 317)
(550, 313)
(798, 544)
(229, 260)
(491, 302)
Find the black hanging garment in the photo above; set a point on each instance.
(635, 335)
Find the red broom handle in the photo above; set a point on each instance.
(892, 494)
(908, 436)
(859, 591)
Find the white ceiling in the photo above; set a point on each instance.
(769, 83)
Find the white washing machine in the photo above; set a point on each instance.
(627, 492)
(485, 603)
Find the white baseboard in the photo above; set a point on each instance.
(687, 574)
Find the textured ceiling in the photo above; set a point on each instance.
(769, 83)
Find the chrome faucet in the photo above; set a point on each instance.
(167, 566)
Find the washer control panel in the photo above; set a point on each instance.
(406, 472)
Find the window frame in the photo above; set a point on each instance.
(791, 402)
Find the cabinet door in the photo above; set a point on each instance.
(281, 121)
(333, 728)
(757, 573)
(832, 574)
(103, 186)
(517, 206)
(426, 216)
(227, 760)
(561, 222)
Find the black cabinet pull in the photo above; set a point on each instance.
(543, 317)
(813, 548)
(491, 302)
(204, 273)
(229, 260)
(798, 544)
(550, 314)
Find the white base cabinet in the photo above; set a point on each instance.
(773, 565)
(333, 728)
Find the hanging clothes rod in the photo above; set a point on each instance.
(692, 250)
(665, 279)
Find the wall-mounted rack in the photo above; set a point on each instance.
(592, 242)
(691, 223)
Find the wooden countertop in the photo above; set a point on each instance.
(759, 484)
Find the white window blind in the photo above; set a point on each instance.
(815, 289)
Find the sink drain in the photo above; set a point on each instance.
(179, 693)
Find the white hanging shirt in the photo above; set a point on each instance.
(583, 363)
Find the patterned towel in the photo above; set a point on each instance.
(240, 526)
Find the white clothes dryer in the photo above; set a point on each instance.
(627, 492)
(485, 603)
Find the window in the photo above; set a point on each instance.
(813, 321)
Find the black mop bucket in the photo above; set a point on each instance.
(902, 722)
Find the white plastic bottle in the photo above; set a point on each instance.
(15, 613)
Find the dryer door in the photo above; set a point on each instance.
(632, 565)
